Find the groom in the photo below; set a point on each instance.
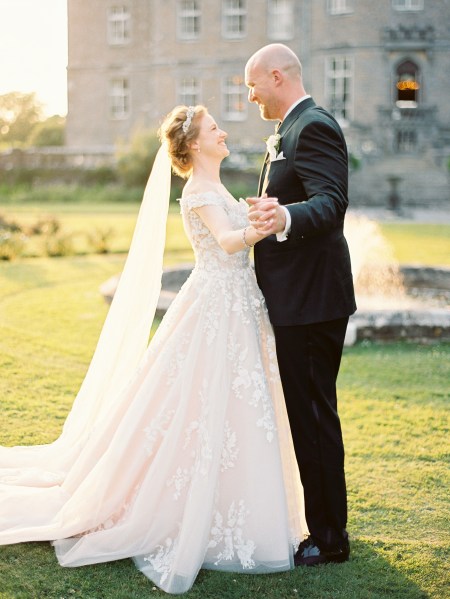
(304, 272)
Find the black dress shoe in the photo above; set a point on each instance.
(310, 554)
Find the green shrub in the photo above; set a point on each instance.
(100, 239)
(135, 160)
(100, 175)
(66, 175)
(11, 244)
(9, 225)
(353, 162)
(59, 244)
(48, 225)
(18, 176)
(241, 184)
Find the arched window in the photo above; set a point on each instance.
(407, 84)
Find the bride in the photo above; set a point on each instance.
(177, 453)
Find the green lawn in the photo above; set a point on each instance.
(393, 402)
(411, 243)
(415, 243)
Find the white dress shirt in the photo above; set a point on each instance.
(284, 234)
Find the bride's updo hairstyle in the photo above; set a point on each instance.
(179, 129)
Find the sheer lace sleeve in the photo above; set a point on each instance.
(197, 200)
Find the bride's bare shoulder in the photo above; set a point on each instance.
(200, 188)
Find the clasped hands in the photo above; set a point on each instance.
(266, 215)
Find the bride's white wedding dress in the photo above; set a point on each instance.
(193, 466)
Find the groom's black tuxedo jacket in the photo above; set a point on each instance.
(308, 278)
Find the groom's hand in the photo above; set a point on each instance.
(266, 215)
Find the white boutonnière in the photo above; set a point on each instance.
(273, 144)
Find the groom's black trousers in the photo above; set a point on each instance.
(309, 357)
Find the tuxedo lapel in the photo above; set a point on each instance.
(262, 175)
(263, 172)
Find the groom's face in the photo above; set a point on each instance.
(261, 91)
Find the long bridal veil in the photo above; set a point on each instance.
(122, 343)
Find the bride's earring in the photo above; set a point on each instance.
(198, 149)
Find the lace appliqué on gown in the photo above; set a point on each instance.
(227, 533)
(230, 448)
(251, 383)
(161, 560)
(157, 429)
(198, 444)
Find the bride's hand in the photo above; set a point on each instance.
(266, 215)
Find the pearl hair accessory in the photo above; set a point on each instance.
(189, 115)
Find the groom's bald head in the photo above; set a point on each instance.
(274, 78)
(276, 57)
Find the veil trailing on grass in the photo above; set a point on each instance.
(121, 345)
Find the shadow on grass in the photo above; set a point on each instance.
(30, 570)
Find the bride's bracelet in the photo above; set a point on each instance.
(248, 245)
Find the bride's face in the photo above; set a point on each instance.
(211, 139)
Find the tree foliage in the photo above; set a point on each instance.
(48, 133)
(19, 114)
(135, 160)
(22, 122)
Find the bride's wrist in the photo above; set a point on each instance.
(247, 237)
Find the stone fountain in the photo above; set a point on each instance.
(407, 302)
(394, 302)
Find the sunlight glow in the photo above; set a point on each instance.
(33, 50)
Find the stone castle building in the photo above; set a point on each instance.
(382, 68)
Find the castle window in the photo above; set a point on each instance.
(339, 87)
(119, 96)
(339, 7)
(188, 19)
(189, 91)
(280, 19)
(234, 98)
(234, 18)
(407, 4)
(407, 85)
(406, 140)
(119, 26)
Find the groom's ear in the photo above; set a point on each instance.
(277, 77)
